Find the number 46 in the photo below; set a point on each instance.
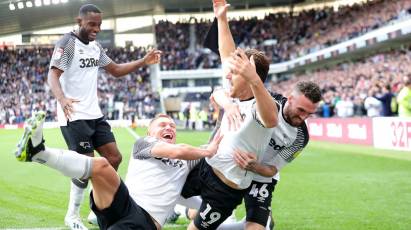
(254, 191)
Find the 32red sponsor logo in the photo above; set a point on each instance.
(401, 131)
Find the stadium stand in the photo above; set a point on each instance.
(282, 36)
(354, 81)
(24, 71)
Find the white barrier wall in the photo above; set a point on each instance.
(392, 133)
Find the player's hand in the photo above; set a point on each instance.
(152, 57)
(67, 106)
(213, 103)
(234, 117)
(241, 65)
(213, 146)
(245, 161)
(220, 8)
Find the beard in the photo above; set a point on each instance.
(84, 35)
(291, 119)
(296, 121)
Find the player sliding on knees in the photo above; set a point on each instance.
(157, 171)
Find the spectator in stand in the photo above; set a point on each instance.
(359, 109)
(344, 107)
(386, 100)
(404, 98)
(372, 104)
(186, 114)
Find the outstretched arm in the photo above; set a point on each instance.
(118, 70)
(225, 38)
(186, 152)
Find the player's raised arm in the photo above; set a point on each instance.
(225, 38)
(241, 65)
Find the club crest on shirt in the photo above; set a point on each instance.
(170, 162)
(85, 144)
(58, 53)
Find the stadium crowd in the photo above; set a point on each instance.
(346, 87)
(282, 36)
(360, 88)
(24, 72)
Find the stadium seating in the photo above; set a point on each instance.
(355, 80)
(282, 36)
(24, 71)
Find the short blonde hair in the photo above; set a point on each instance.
(158, 116)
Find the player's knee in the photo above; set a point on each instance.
(100, 165)
(191, 213)
(253, 226)
(192, 226)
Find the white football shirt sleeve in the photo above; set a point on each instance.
(63, 53)
(104, 60)
(142, 148)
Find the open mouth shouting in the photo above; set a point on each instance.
(168, 136)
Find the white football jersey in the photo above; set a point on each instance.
(252, 137)
(285, 143)
(155, 183)
(80, 63)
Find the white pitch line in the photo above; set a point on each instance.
(134, 134)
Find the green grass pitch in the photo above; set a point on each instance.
(329, 186)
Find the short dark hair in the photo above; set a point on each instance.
(88, 8)
(310, 90)
(262, 64)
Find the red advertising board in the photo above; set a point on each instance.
(341, 130)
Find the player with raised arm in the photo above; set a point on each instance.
(289, 138)
(72, 78)
(157, 171)
(219, 181)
